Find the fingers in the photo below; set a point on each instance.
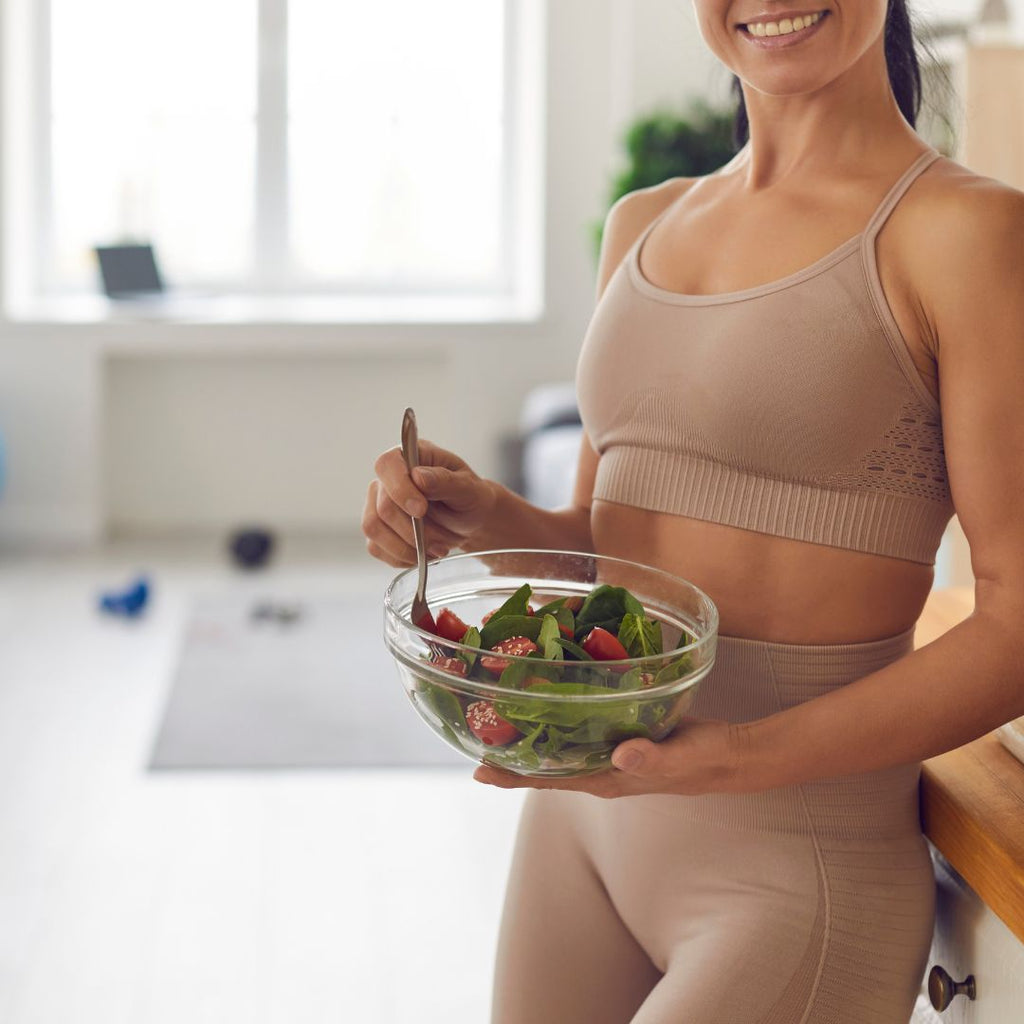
(382, 542)
(393, 475)
(634, 756)
(607, 784)
(388, 531)
(439, 540)
(458, 490)
(459, 499)
(443, 491)
(433, 455)
(391, 470)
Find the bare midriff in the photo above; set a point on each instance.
(771, 588)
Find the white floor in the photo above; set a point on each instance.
(229, 898)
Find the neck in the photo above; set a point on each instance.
(853, 122)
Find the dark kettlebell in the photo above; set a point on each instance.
(251, 548)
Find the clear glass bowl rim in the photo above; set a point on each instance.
(459, 682)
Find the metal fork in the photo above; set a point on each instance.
(420, 614)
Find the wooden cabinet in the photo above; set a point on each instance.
(993, 137)
(972, 807)
(971, 940)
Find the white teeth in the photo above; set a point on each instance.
(783, 27)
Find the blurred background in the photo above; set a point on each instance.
(331, 210)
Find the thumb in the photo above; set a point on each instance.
(458, 489)
(636, 757)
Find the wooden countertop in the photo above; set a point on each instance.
(972, 798)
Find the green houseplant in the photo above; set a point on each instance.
(669, 144)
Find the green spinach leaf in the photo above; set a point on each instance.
(640, 636)
(514, 674)
(574, 649)
(471, 639)
(674, 670)
(605, 607)
(507, 626)
(547, 638)
(445, 709)
(566, 620)
(551, 607)
(564, 713)
(515, 605)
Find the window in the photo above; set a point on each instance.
(152, 134)
(287, 146)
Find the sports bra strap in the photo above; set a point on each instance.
(896, 193)
(874, 225)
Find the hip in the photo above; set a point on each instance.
(753, 679)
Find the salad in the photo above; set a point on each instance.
(569, 647)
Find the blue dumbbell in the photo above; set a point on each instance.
(129, 603)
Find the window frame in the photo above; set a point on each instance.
(517, 287)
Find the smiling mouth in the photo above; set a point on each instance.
(784, 26)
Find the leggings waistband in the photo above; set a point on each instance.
(754, 678)
(841, 658)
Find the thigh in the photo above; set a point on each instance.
(564, 954)
(757, 928)
(734, 919)
(881, 918)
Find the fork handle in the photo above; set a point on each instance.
(421, 557)
(411, 454)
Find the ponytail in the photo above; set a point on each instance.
(900, 58)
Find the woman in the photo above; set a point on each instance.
(797, 368)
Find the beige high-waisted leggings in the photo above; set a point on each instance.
(809, 904)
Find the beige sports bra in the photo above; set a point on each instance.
(793, 408)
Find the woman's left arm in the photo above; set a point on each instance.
(971, 679)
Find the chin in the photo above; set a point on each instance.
(799, 78)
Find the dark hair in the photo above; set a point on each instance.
(900, 58)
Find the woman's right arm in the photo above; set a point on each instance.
(462, 510)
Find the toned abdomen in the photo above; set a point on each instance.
(767, 587)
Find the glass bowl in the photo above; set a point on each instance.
(548, 716)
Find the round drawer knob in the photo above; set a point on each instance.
(942, 989)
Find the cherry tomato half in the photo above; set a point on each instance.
(520, 646)
(456, 666)
(531, 681)
(603, 646)
(488, 726)
(450, 626)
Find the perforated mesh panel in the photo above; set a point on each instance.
(909, 460)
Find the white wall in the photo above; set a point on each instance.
(669, 61)
(49, 403)
(149, 426)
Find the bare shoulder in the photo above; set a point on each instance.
(957, 238)
(954, 218)
(628, 218)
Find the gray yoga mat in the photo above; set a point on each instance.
(274, 683)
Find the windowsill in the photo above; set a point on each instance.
(92, 310)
